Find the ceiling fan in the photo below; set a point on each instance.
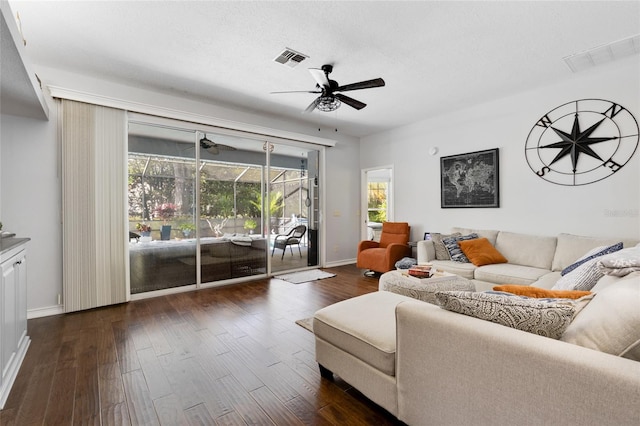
(214, 148)
(329, 100)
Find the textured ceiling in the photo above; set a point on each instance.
(434, 56)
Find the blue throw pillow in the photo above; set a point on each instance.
(454, 249)
(597, 252)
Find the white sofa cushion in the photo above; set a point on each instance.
(465, 270)
(571, 247)
(611, 322)
(506, 273)
(527, 250)
(489, 234)
(548, 280)
(350, 326)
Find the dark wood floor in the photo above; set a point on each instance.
(227, 356)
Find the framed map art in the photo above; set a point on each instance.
(470, 180)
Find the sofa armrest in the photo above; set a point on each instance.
(426, 251)
(455, 369)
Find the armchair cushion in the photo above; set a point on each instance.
(394, 233)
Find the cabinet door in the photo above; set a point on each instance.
(3, 269)
(9, 338)
(21, 325)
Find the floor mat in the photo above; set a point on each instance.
(305, 276)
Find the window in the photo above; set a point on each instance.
(377, 201)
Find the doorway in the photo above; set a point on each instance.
(293, 196)
(377, 200)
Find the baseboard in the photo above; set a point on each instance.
(59, 309)
(45, 312)
(340, 263)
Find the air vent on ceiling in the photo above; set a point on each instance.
(290, 57)
(605, 53)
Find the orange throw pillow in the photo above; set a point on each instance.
(480, 252)
(525, 290)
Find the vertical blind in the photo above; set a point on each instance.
(94, 176)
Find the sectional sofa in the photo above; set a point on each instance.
(532, 259)
(431, 366)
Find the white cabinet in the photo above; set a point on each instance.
(14, 340)
(20, 92)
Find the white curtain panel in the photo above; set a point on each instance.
(94, 181)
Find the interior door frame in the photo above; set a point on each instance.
(364, 205)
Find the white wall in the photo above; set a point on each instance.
(31, 202)
(30, 186)
(343, 207)
(527, 203)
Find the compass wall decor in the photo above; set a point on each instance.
(582, 142)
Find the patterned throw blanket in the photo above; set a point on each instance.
(621, 263)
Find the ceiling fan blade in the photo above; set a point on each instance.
(376, 82)
(222, 147)
(350, 101)
(311, 107)
(296, 91)
(320, 77)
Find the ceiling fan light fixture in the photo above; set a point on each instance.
(327, 103)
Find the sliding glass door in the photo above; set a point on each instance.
(293, 203)
(232, 240)
(162, 183)
(210, 206)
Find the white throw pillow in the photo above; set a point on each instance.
(585, 276)
(610, 323)
(596, 252)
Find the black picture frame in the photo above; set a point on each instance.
(470, 180)
(427, 236)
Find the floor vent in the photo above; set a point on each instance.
(290, 57)
(603, 54)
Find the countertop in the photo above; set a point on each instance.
(7, 244)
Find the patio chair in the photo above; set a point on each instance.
(292, 238)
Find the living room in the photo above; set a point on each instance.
(501, 117)
(526, 201)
